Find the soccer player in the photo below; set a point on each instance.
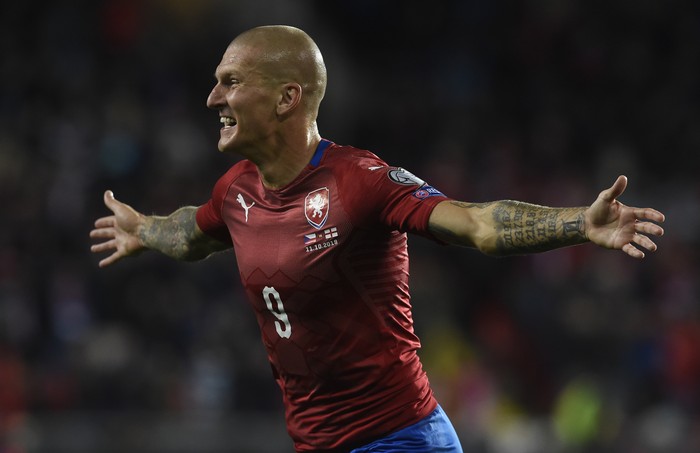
(319, 233)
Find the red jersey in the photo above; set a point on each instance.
(324, 263)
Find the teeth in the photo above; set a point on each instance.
(226, 121)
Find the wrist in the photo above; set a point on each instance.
(585, 224)
(574, 227)
(144, 225)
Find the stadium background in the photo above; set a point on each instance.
(570, 351)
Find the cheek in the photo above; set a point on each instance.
(253, 109)
(260, 114)
(231, 99)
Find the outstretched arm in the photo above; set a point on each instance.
(128, 232)
(511, 227)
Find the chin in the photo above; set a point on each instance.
(226, 146)
(233, 150)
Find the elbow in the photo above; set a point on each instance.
(490, 250)
(187, 254)
(491, 245)
(200, 250)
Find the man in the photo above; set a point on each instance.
(318, 231)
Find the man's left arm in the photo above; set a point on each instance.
(509, 227)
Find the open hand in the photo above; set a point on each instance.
(119, 232)
(613, 225)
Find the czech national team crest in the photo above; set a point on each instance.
(316, 207)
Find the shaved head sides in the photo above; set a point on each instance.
(287, 54)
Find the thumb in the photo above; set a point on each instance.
(615, 190)
(110, 201)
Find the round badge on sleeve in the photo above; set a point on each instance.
(404, 177)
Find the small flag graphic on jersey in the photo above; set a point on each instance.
(328, 233)
(311, 238)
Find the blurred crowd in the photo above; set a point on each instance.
(575, 350)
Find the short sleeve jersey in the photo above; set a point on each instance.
(324, 263)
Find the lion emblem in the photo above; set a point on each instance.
(316, 207)
(317, 203)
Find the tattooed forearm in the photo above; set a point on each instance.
(170, 235)
(527, 228)
(176, 236)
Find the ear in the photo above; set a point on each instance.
(290, 99)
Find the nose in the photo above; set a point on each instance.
(215, 99)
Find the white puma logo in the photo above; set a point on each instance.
(240, 200)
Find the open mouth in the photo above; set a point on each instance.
(227, 121)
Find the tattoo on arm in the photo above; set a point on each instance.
(176, 236)
(528, 228)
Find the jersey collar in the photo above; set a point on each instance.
(318, 154)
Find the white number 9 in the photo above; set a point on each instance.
(283, 327)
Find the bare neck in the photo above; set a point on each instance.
(286, 160)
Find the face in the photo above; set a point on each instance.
(245, 100)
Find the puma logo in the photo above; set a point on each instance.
(241, 201)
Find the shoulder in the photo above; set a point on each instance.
(232, 175)
(359, 175)
(352, 164)
(236, 171)
(350, 156)
(358, 166)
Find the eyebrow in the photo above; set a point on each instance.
(221, 72)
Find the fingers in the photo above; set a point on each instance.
(615, 190)
(633, 251)
(649, 228)
(104, 246)
(105, 222)
(643, 226)
(103, 232)
(642, 241)
(105, 228)
(649, 214)
(108, 246)
(114, 257)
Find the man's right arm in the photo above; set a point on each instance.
(178, 236)
(128, 233)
